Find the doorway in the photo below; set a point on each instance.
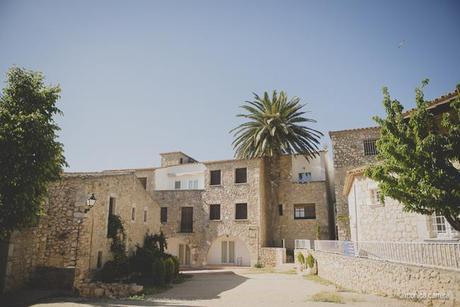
(228, 252)
(184, 254)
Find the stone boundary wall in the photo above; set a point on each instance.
(110, 290)
(441, 287)
(272, 256)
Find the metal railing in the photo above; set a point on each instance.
(444, 255)
(304, 244)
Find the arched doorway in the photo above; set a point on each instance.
(179, 248)
(228, 250)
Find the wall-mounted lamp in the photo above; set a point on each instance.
(90, 202)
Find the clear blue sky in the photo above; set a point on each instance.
(143, 77)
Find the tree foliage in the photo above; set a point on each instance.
(30, 155)
(275, 125)
(418, 157)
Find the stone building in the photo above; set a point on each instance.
(353, 149)
(372, 220)
(72, 237)
(212, 213)
(215, 212)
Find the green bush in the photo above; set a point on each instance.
(169, 270)
(258, 265)
(176, 266)
(301, 258)
(158, 271)
(310, 261)
(141, 261)
(112, 271)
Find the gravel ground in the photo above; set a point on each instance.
(241, 288)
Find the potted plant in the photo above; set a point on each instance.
(311, 268)
(301, 262)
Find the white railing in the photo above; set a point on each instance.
(431, 254)
(304, 244)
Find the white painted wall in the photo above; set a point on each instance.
(166, 177)
(316, 166)
(214, 253)
(370, 221)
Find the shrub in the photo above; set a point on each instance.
(176, 266)
(301, 258)
(112, 271)
(258, 265)
(169, 270)
(310, 261)
(141, 261)
(158, 271)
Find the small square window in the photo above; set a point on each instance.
(241, 211)
(370, 147)
(214, 212)
(304, 211)
(304, 177)
(215, 177)
(143, 181)
(177, 185)
(241, 175)
(164, 215)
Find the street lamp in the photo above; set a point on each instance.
(90, 202)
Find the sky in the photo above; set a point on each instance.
(143, 77)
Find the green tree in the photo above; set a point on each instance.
(417, 156)
(274, 125)
(30, 155)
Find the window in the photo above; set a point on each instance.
(145, 215)
(214, 212)
(186, 222)
(304, 177)
(280, 209)
(241, 175)
(164, 215)
(99, 259)
(112, 203)
(184, 254)
(370, 148)
(143, 181)
(177, 185)
(375, 197)
(181, 160)
(133, 214)
(241, 211)
(304, 211)
(215, 177)
(439, 224)
(193, 184)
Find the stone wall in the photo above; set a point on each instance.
(291, 193)
(272, 256)
(387, 278)
(67, 236)
(348, 153)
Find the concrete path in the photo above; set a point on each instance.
(242, 288)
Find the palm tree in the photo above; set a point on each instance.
(275, 125)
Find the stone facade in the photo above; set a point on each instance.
(252, 233)
(272, 256)
(392, 279)
(291, 193)
(69, 237)
(348, 153)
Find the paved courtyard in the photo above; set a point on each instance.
(239, 288)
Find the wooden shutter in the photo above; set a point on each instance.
(186, 224)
